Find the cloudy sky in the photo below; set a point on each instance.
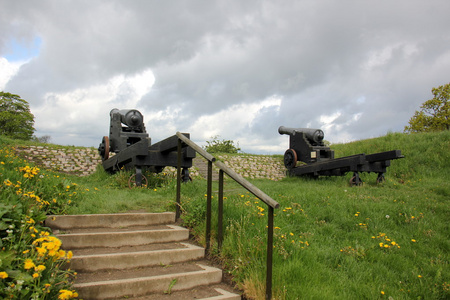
(237, 69)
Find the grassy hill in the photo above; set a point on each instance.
(332, 241)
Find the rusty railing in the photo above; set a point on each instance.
(271, 204)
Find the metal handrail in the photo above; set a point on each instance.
(272, 204)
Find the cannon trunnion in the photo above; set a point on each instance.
(131, 147)
(308, 156)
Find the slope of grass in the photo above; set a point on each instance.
(331, 241)
(337, 242)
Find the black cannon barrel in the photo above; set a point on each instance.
(130, 117)
(315, 135)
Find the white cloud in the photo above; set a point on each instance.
(8, 70)
(228, 122)
(85, 112)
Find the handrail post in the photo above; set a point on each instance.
(178, 204)
(220, 212)
(208, 208)
(269, 254)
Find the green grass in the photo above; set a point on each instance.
(328, 235)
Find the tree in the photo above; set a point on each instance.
(434, 114)
(16, 119)
(45, 139)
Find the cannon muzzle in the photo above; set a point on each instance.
(130, 117)
(315, 135)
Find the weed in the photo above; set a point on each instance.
(171, 285)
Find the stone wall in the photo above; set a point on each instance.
(77, 161)
(83, 161)
(255, 166)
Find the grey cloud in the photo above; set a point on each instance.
(318, 57)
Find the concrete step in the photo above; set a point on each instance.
(209, 292)
(144, 285)
(171, 233)
(134, 259)
(65, 222)
(140, 255)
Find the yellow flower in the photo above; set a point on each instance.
(41, 251)
(29, 264)
(66, 294)
(61, 253)
(382, 292)
(3, 275)
(35, 275)
(40, 268)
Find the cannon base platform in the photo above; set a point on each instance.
(376, 163)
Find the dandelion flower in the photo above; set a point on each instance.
(29, 264)
(66, 294)
(39, 268)
(3, 275)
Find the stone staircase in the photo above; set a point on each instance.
(137, 256)
(202, 165)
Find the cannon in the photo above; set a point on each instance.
(305, 145)
(309, 156)
(129, 146)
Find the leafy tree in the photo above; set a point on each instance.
(223, 146)
(16, 119)
(434, 114)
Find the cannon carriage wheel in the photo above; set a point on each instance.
(355, 180)
(380, 178)
(132, 181)
(104, 148)
(290, 158)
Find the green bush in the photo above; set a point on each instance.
(32, 264)
(221, 146)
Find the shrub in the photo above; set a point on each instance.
(221, 146)
(32, 264)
